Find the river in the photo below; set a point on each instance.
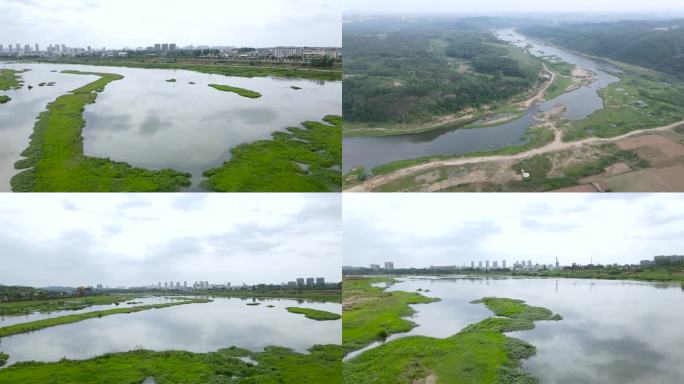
(370, 152)
(612, 332)
(148, 122)
(202, 327)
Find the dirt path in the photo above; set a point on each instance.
(556, 145)
(540, 94)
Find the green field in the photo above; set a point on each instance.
(51, 322)
(276, 366)
(240, 91)
(370, 313)
(4, 99)
(55, 161)
(60, 304)
(314, 314)
(479, 354)
(304, 159)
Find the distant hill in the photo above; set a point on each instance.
(657, 45)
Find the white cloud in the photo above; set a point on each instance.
(70, 239)
(136, 23)
(453, 229)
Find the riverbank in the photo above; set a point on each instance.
(10, 79)
(274, 365)
(211, 67)
(55, 161)
(327, 295)
(371, 314)
(54, 321)
(61, 304)
(314, 314)
(480, 353)
(305, 159)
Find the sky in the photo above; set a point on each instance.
(136, 239)
(142, 23)
(504, 6)
(420, 230)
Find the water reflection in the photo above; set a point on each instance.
(612, 331)
(192, 327)
(451, 140)
(151, 123)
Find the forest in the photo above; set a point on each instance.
(411, 71)
(652, 44)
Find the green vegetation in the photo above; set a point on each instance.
(276, 366)
(403, 74)
(3, 358)
(372, 314)
(634, 41)
(324, 295)
(314, 314)
(171, 80)
(479, 354)
(55, 161)
(660, 274)
(300, 160)
(4, 99)
(254, 303)
(54, 321)
(240, 91)
(213, 67)
(55, 304)
(296, 88)
(10, 79)
(638, 101)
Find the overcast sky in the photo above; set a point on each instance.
(134, 23)
(117, 239)
(503, 6)
(420, 230)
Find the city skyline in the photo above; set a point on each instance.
(250, 238)
(413, 231)
(258, 23)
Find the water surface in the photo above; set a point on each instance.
(200, 327)
(612, 332)
(148, 122)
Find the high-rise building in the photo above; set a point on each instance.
(310, 281)
(165, 47)
(472, 264)
(27, 48)
(37, 47)
(63, 48)
(487, 264)
(166, 285)
(529, 263)
(172, 47)
(479, 264)
(504, 263)
(300, 281)
(2, 48)
(157, 47)
(375, 267)
(99, 286)
(18, 48)
(557, 265)
(320, 281)
(389, 265)
(291, 284)
(495, 264)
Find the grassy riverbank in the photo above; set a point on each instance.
(3, 358)
(51, 322)
(372, 314)
(479, 354)
(240, 91)
(219, 68)
(61, 304)
(672, 274)
(304, 159)
(5, 99)
(55, 161)
(314, 314)
(275, 365)
(322, 295)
